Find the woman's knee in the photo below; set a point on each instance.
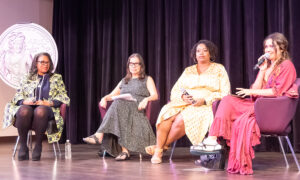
(25, 111)
(226, 102)
(227, 99)
(178, 122)
(42, 112)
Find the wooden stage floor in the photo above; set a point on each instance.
(86, 165)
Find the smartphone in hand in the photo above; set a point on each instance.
(184, 92)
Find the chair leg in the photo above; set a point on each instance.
(16, 146)
(283, 152)
(293, 153)
(173, 147)
(58, 148)
(104, 153)
(59, 151)
(54, 149)
(29, 140)
(141, 156)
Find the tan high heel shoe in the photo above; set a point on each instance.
(157, 156)
(151, 149)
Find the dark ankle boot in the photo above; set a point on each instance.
(23, 153)
(36, 153)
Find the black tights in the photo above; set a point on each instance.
(33, 117)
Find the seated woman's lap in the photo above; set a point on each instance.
(178, 122)
(35, 117)
(228, 111)
(24, 116)
(175, 121)
(177, 129)
(232, 107)
(43, 112)
(171, 125)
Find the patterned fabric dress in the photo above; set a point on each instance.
(211, 85)
(235, 119)
(124, 125)
(27, 88)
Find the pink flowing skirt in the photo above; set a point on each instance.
(235, 122)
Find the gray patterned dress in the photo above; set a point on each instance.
(124, 125)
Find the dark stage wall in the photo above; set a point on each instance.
(95, 37)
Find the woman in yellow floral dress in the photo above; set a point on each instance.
(190, 109)
(37, 101)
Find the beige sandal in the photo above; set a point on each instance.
(93, 139)
(157, 157)
(151, 149)
(122, 156)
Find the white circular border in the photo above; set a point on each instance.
(33, 26)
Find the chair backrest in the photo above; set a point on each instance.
(297, 82)
(273, 115)
(103, 110)
(215, 106)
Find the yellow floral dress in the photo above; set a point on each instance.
(213, 84)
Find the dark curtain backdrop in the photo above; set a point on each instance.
(95, 38)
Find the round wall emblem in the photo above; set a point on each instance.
(18, 46)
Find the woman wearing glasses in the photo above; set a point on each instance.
(37, 101)
(125, 127)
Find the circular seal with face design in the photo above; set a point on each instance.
(18, 45)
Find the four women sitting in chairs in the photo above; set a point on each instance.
(126, 128)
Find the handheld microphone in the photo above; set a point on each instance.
(184, 92)
(261, 59)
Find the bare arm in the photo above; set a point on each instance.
(258, 92)
(153, 94)
(106, 98)
(256, 88)
(282, 82)
(258, 83)
(152, 89)
(115, 92)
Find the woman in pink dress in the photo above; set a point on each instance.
(235, 119)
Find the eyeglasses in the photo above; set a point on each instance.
(44, 62)
(134, 64)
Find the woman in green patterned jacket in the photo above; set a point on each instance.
(36, 102)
